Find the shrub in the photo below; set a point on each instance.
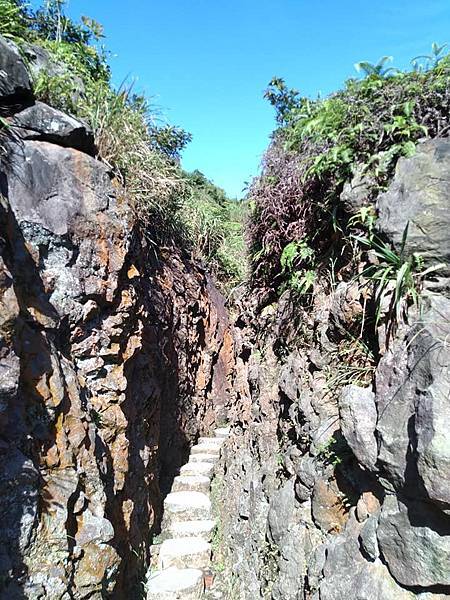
(14, 21)
(317, 147)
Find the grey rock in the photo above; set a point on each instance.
(346, 574)
(433, 402)
(95, 529)
(41, 122)
(368, 538)
(358, 415)
(412, 398)
(281, 511)
(307, 470)
(51, 186)
(415, 543)
(60, 197)
(294, 556)
(395, 407)
(357, 192)
(15, 85)
(420, 195)
(41, 62)
(346, 308)
(324, 434)
(307, 473)
(18, 505)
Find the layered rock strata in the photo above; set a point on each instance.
(110, 357)
(337, 477)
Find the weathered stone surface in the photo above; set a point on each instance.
(357, 193)
(175, 584)
(346, 309)
(368, 538)
(415, 543)
(433, 402)
(41, 122)
(419, 195)
(346, 574)
(101, 395)
(358, 415)
(413, 406)
(15, 85)
(327, 508)
(281, 510)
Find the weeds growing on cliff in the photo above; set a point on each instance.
(315, 150)
(171, 206)
(13, 21)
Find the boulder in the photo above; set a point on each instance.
(328, 510)
(415, 543)
(42, 63)
(413, 403)
(15, 85)
(41, 122)
(433, 403)
(358, 416)
(368, 538)
(281, 511)
(420, 195)
(358, 192)
(346, 574)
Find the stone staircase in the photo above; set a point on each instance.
(184, 556)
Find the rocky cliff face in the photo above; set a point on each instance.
(110, 356)
(115, 357)
(340, 465)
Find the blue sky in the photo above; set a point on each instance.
(206, 63)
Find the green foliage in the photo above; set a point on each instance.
(283, 99)
(169, 140)
(171, 206)
(431, 60)
(336, 451)
(215, 226)
(378, 69)
(318, 146)
(396, 278)
(294, 258)
(13, 19)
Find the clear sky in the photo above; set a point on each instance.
(206, 63)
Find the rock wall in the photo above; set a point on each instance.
(114, 357)
(337, 479)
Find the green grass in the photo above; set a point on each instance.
(172, 207)
(317, 147)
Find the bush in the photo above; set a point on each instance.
(317, 148)
(14, 21)
(171, 206)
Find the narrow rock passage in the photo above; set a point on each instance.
(187, 528)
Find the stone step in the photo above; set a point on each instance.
(186, 506)
(209, 458)
(185, 553)
(206, 447)
(198, 468)
(175, 584)
(203, 529)
(191, 483)
(217, 441)
(222, 432)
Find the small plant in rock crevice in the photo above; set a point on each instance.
(396, 279)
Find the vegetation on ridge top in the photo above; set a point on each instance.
(299, 224)
(172, 206)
